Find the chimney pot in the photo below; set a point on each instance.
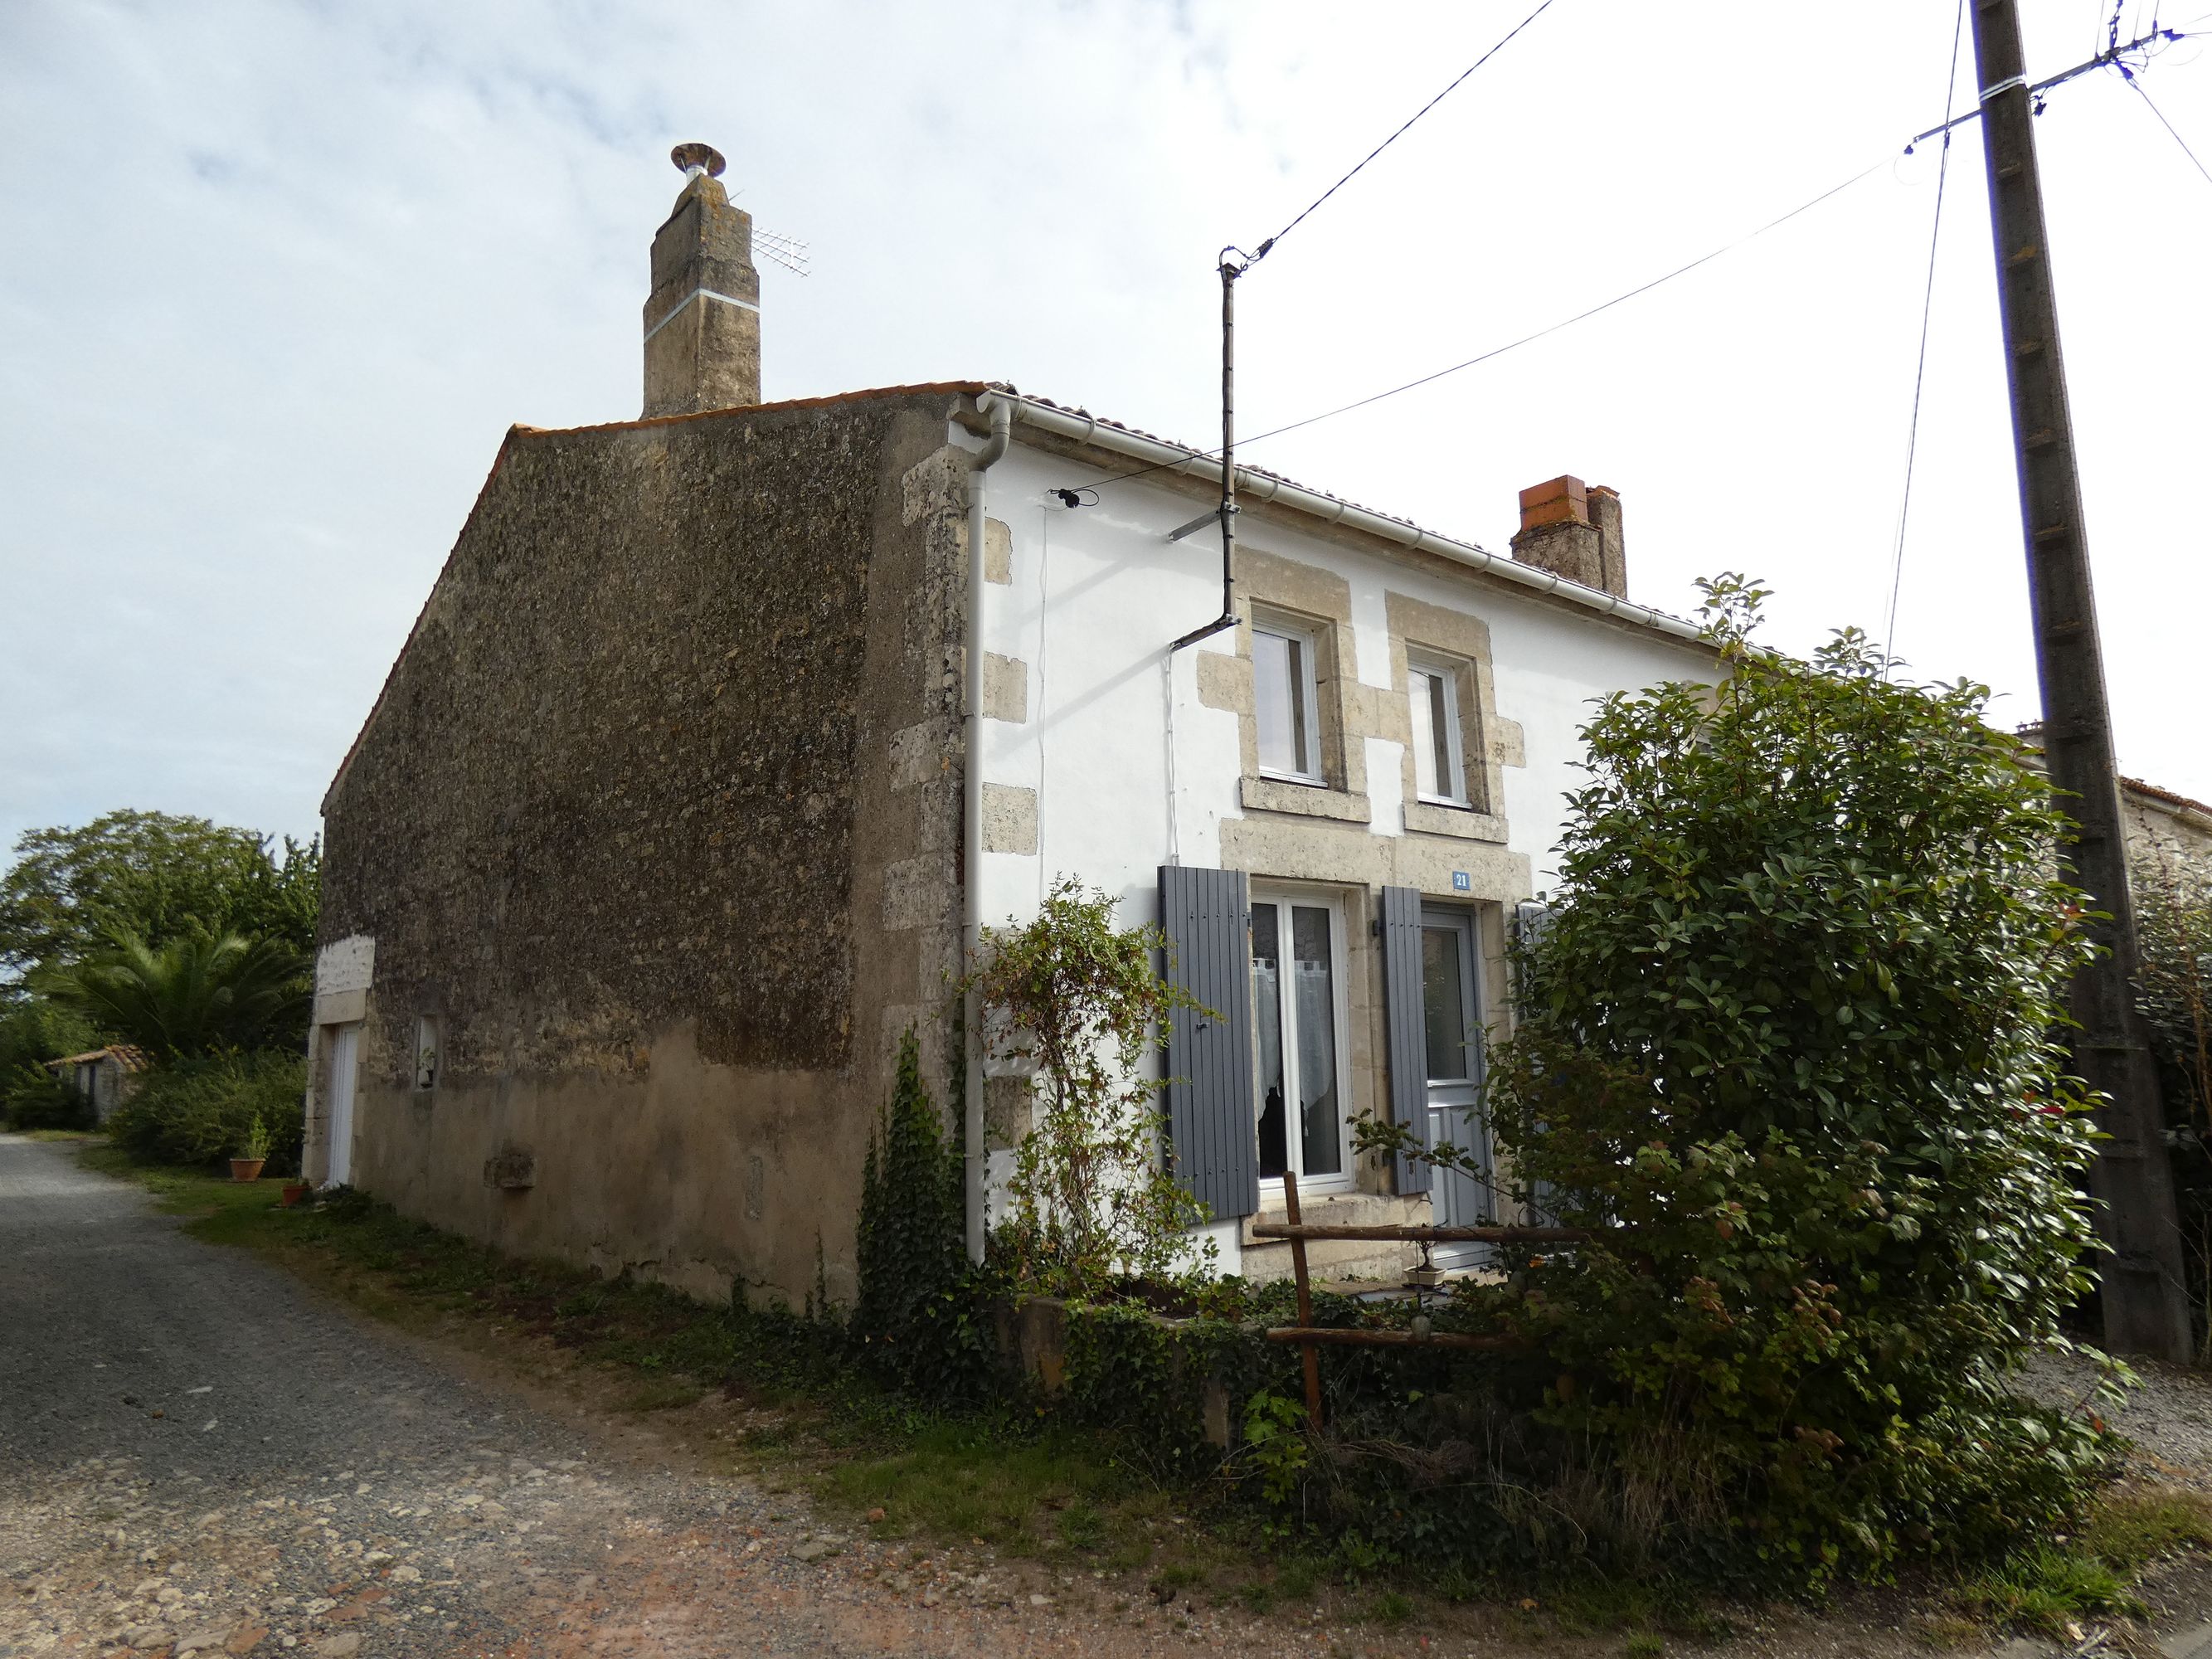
(1563, 500)
(698, 158)
(1573, 530)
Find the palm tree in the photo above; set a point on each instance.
(191, 996)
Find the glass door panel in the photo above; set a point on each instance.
(1296, 1036)
(1268, 1006)
(1450, 1022)
(1321, 1121)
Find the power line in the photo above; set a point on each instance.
(1267, 245)
(1512, 345)
(2102, 60)
(1920, 364)
(2168, 126)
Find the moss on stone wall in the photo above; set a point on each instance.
(611, 785)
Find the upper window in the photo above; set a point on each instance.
(1285, 708)
(1439, 770)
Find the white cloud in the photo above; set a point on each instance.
(278, 277)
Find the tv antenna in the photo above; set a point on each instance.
(786, 250)
(694, 159)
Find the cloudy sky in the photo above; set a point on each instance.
(276, 278)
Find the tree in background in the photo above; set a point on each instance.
(195, 995)
(155, 876)
(189, 939)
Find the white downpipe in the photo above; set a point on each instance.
(1259, 486)
(975, 1166)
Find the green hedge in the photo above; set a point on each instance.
(33, 1097)
(198, 1112)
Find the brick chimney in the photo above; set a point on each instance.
(702, 321)
(1573, 530)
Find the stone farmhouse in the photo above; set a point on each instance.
(722, 727)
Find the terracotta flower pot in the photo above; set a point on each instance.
(246, 1169)
(293, 1192)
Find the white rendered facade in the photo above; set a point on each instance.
(1105, 757)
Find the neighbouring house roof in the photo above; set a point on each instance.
(2195, 809)
(2031, 732)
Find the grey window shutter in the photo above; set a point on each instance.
(1212, 1122)
(1407, 1048)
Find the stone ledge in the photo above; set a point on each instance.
(1461, 822)
(1305, 800)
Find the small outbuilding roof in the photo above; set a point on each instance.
(131, 1058)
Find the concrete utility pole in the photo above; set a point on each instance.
(2146, 1307)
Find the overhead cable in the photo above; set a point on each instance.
(1512, 345)
(2168, 126)
(1262, 251)
(1920, 364)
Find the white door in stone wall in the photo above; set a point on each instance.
(345, 1067)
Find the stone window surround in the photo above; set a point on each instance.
(1350, 711)
(1298, 834)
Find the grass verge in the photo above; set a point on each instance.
(2091, 1573)
(784, 1407)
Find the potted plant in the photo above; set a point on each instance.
(293, 1193)
(247, 1166)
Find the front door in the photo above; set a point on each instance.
(1451, 1016)
(1297, 978)
(345, 1056)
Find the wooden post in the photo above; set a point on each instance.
(1311, 1353)
(2145, 1293)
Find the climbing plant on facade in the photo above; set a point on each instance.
(1076, 1002)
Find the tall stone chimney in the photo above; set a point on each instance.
(702, 321)
(1573, 530)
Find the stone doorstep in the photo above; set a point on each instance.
(1337, 1267)
(1267, 1259)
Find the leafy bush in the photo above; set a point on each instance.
(1093, 1194)
(35, 1029)
(33, 1097)
(202, 1111)
(921, 1317)
(1792, 1029)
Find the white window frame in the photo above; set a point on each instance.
(1451, 791)
(1274, 627)
(1347, 1179)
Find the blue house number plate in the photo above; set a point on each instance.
(1463, 882)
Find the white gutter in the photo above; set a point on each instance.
(1167, 458)
(1000, 409)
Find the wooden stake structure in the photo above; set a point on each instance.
(1310, 1337)
(1305, 1298)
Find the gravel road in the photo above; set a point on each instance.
(198, 1453)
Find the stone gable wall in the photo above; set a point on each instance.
(621, 826)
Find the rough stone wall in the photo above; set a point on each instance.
(2167, 833)
(622, 823)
